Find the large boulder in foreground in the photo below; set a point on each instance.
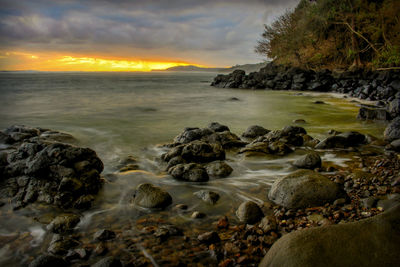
(392, 131)
(150, 196)
(38, 167)
(371, 242)
(304, 188)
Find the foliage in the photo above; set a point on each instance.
(335, 34)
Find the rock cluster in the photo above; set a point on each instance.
(38, 165)
(196, 154)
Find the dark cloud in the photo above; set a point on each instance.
(208, 32)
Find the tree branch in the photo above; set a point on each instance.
(359, 35)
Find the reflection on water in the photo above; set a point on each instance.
(121, 114)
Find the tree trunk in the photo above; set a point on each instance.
(354, 44)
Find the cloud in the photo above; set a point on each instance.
(204, 32)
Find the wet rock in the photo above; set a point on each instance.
(353, 138)
(175, 161)
(395, 145)
(394, 108)
(198, 215)
(6, 139)
(370, 242)
(165, 231)
(389, 202)
(61, 244)
(369, 113)
(268, 223)
(319, 102)
(225, 139)
(223, 223)
(207, 196)
(369, 202)
(108, 262)
(249, 212)
(60, 173)
(201, 152)
(279, 148)
(64, 223)
(304, 188)
(299, 121)
(255, 131)
(209, 238)
(217, 127)
(308, 161)
(332, 142)
(48, 261)
(58, 137)
(392, 131)
(103, 235)
(191, 134)
(79, 253)
(150, 196)
(190, 172)
(218, 169)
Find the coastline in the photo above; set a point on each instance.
(237, 242)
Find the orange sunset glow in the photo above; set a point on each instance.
(30, 61)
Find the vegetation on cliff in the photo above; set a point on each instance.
(335, 34)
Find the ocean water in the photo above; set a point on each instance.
(123, 114)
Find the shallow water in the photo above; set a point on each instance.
(121, 114)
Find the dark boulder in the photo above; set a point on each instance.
(150, 196)
(217, 127)
(190, 172)
(309, 161)
(218, 169)
(55, 172)
(198, 151)
(249, 212)
(255, 131)
(392, 131)
(372, 113)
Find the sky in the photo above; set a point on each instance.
(130, 35)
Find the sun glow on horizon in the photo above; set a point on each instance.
(28, 61)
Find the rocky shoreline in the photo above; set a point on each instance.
(380, 86)
(40, 166)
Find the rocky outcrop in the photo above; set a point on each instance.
(363, 84)
(304, 188)
(369, 242)
(392, 131)
(342, 140)
(36, 166)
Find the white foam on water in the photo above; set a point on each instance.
(340, 161)
(38, 234)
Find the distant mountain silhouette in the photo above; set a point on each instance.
(246, 67)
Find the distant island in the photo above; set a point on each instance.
(246, 67)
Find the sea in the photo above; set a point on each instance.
(131, 114)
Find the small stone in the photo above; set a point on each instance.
(319, 102)
(63, 223)
(299, 121)
(198, 215)
(207, 196)
(103, 235)
(308, 161)
(268, 223)
(181, 207)
(223, 223)
(249, 212)
(209, 238)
